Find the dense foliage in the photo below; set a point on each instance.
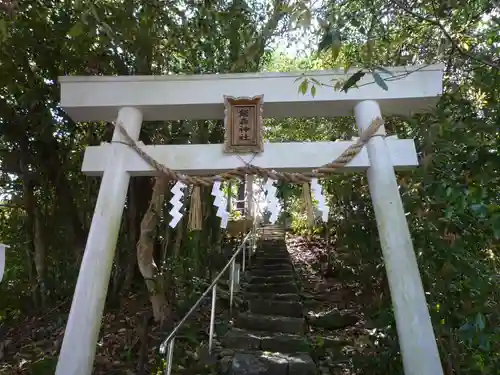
(453, 200)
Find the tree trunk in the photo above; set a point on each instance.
(179, 234)
(131, 217)
(35, 234)
(137, 205)
(54, 169)
(206, 240)
(145, 249)
(143, 334)
(40, 255)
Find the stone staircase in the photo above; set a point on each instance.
(269, 338)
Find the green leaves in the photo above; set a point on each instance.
(76, 30)
(353, 80)
(480, 322)
(476, 334)
(3, 29)
(384, 70)
(495, 225)
(331, 41)
(380, 81)
(304, 85)
(378, 78)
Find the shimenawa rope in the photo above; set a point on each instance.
(240, 172)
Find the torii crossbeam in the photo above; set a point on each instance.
(209, 158)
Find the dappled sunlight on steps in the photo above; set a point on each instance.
(269, 338)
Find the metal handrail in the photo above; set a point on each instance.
(168, 344)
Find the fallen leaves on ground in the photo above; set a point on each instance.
(32, 346)
(335, 344)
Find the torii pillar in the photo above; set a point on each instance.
(415, 333)
(84, 322)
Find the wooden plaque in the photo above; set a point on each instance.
(243, 124)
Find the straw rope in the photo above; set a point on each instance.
(345, 158)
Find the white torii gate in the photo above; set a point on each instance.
(134, 99)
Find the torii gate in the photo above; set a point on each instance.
(131, 100)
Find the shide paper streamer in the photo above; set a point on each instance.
(177, 194)
(317, 192)
(272, 201)
(220, 202)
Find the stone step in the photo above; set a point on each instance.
(265, 363)
(271, 279)
(265, 261)
(273, 245)
(280, 288)
(269, 323)
(271, 296)
(277, 248)
(254, 340)
(281, 308)
(272, 252)
(272, 267)
(271, 260)
(271, 273)
(264, 266)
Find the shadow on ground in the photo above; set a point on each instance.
(344, 339)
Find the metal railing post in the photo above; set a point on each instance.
(231, 287)
(170, 356)
(246, 248)
(237, 270)
(212, 319)
(254, 239)
(249, 251)
(244, 256)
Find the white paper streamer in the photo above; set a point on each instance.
(220, 202)
(272, 201)
(2, 259)
(178, 193)
(317, 192)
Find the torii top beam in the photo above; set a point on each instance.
(200, 97)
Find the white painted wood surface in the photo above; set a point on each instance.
(203, 159)
(84, 322)
(3, 248)
(415, 332)
(95, 98)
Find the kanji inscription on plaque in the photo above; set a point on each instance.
(243, 124)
